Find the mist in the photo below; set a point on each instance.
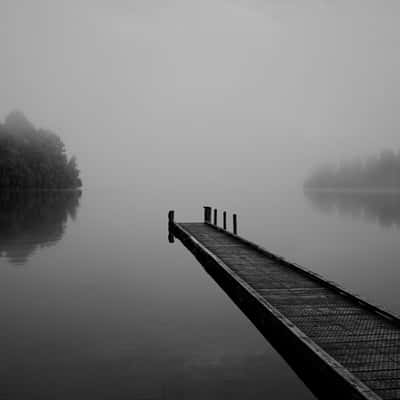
(200, 94)
(169, 106)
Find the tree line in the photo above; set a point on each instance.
(33, 158)
(377, 172)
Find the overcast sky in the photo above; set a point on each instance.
(150, 90)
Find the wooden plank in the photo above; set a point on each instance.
(389, 394)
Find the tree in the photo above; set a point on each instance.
(34, 158)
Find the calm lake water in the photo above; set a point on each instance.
(96, 304)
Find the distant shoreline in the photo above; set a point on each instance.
(353, 190)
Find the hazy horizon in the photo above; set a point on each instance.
(204, 93)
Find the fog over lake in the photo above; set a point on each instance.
(177, 105)
(262, 90)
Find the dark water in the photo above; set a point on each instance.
(95, 303)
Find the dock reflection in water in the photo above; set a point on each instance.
(378, 207)
(33, 219)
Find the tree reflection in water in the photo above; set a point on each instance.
(33, 219)
(378, 207)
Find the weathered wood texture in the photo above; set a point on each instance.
(355, 345)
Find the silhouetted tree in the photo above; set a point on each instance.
(34, 158)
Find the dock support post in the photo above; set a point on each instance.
(215, 216)
(234, 224)
(207, 214)
(171, 215)
(224, 217)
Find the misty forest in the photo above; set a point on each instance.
(33, 158)
(376, 173)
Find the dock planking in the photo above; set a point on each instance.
(338, 343)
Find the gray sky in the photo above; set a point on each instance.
(204, 91)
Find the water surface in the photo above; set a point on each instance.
(95, 303)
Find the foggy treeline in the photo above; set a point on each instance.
(377, 172)
(34, 158)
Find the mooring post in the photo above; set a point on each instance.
(171, 226)
(234, 224)
(207, 214)
(224, 217)
(171, 216)
(215, 216)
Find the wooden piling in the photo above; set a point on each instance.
(171, 224)
(207, 214)
(224, 217)
(234, 224)
(215, 216)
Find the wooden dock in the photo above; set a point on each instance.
(342, 346)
